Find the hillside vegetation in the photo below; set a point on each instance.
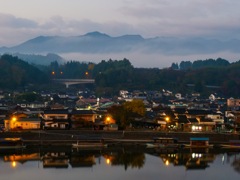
(203, 76)
(16, 73)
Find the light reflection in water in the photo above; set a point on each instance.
(130, 160)
(14, 164)
(108, 161)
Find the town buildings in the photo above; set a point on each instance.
(164, 112)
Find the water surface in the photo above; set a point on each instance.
(119, 163)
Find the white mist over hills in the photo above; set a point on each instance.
(157, 52)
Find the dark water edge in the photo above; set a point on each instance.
(67, 137)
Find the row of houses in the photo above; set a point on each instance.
(51, 119)
(178, 114)
(191, 120)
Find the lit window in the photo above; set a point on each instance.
(193, 128)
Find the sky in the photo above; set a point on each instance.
(214, 19)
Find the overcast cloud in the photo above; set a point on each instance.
(26, 19)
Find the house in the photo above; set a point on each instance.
(35, 104)
(232, 119)
(207, 124)
(197, 113)
(56, 119)
(183, 123)
(218, 119)
(22, 123)
(161, 120)
(81, 118)
(233, 104)
(195, 127)
(89, 103)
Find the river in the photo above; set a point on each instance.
(118, 163)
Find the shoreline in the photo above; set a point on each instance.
(68, 137)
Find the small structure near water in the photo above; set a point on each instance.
(199, 142)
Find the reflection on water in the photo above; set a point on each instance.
(128, 158)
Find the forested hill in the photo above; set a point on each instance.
(211, 76)
(183, 65)
(17, 73)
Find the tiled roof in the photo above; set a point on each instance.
(206, 120)
(198, 111)
(74, 112)
(193, 120)
(182, 119)
(56, 111)
(29, 119)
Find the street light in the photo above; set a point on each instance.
(167, 119)
(13, 120)
(108, 119)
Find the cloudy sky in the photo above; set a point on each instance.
(21, 20)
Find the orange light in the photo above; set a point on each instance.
(14, 119)
(108, 119)
(167, 119)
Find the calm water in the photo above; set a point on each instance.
(119, 163)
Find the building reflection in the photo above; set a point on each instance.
(126, 157)
(190, 158)
(84, 158)
(55, 159)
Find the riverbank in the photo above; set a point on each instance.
(63, 137)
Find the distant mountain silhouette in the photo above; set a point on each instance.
(40, 59)
(96, 42)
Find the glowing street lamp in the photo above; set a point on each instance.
(167, 119)
(108, 119)
(14, 119)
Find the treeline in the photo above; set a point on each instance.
(184, 65)
(16, 73)
(205, 77)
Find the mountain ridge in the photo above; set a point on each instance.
(96, 42)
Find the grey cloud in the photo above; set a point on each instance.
(70, 27)
(186, 17)
(14, 22)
